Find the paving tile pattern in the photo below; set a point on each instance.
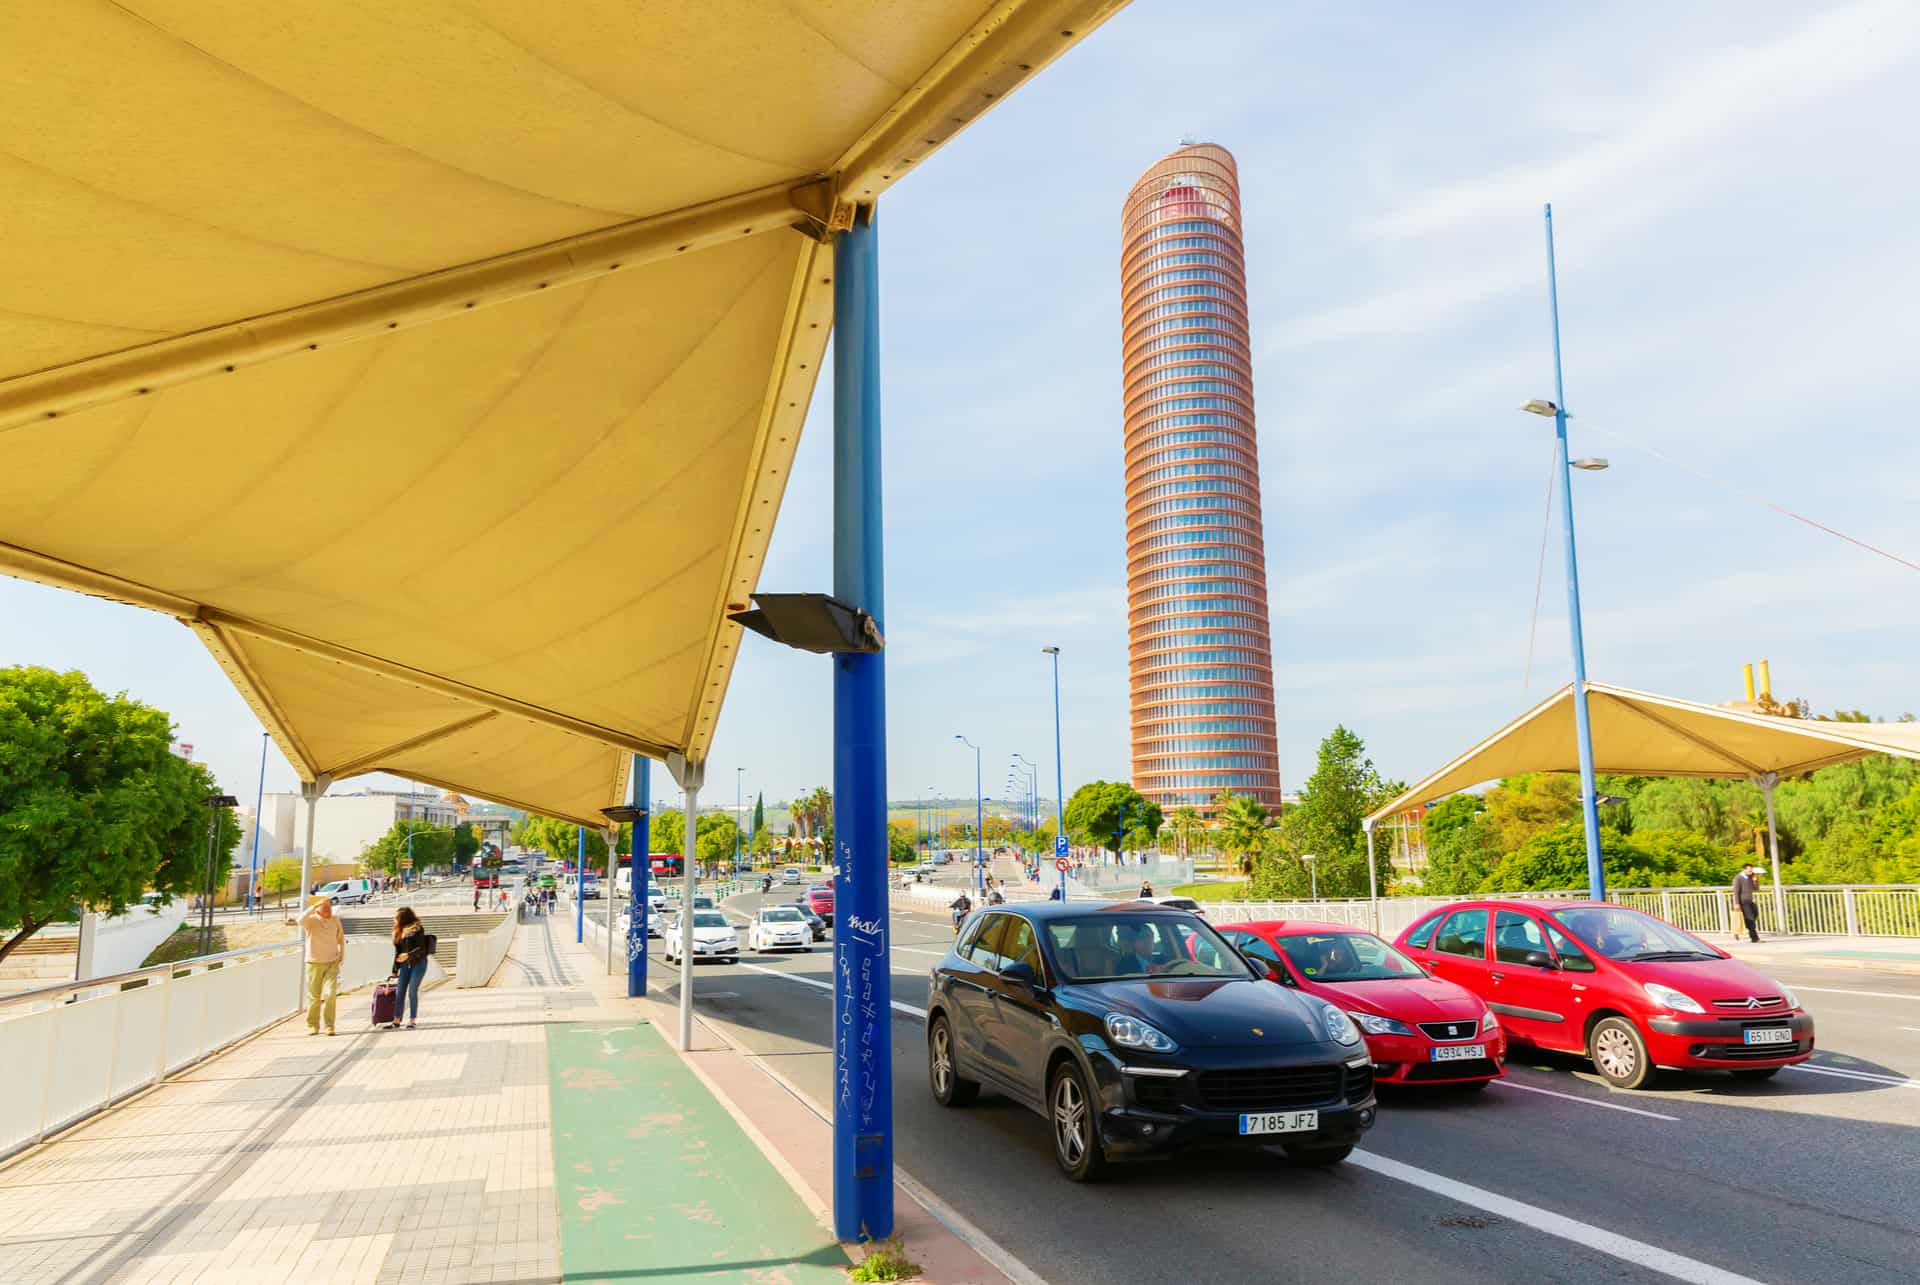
(419, 1156)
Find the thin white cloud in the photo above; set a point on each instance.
(1715, 97)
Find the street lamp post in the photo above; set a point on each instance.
(215, 802)
(979, 813)
(739, 775)
(1059, 772)
(1313, 875)
(1557, 408)
(259, 801)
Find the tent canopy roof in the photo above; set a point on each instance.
(441, 364)
(1640, 734)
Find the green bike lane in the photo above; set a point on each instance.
(654, 1179)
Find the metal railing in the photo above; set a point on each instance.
(74, 1049)
(1826, 910)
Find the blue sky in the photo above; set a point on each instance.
(1735, 201)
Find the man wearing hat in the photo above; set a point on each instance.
(326, 944)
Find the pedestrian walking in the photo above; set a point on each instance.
(326, 946)
(476, 896)
(412, 947)
(1146, 889)
(1744, 885)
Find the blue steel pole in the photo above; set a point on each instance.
(863, 989)
(1589, 803)
(580, 883)
(1059, 769)
(259, 801)
(639, 901)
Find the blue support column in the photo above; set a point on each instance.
(580, 883)
(863, 990)
(638, 883)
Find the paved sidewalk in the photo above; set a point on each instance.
(1887, 954)
(429, 1157)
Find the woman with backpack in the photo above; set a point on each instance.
(412, 948)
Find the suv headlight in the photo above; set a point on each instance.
(1340, 1027)
(1133, 1033)
(1667, 997)
(1373, 1024)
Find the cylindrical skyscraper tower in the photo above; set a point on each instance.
(1198, 644)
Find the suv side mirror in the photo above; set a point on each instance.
(1537, 959)
(1021, 971)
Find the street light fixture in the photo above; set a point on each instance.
(1313, 874)
(1591, 464)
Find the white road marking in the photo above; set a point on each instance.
(908, 1009)
(1625, 1248)
(1574, 1097)
(915, 950)
(1893, 1081)
(1910, 1028)
(1831, 990)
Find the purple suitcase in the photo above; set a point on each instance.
(383, 993)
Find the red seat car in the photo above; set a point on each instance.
(1419, 1029)
(1625, 989)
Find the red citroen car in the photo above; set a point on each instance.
(1419, 1029)
(1629, 991)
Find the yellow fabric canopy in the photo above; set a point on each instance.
(1640, 734)
(320, 325)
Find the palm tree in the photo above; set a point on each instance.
(1186, 823)
(1243, 822)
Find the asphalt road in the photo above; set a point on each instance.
(1813, 1176)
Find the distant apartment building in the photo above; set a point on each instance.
(345, 825)
(1198, 641)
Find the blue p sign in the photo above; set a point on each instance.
(1060, 845)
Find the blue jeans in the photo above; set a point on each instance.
(407, 986)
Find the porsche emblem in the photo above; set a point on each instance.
(1258, 1031)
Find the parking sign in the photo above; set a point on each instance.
(1059, 845)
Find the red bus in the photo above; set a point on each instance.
(666, 865)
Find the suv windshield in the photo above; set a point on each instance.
(1104, 947)
(780, 914)
(1619, 933)
(1346, 957)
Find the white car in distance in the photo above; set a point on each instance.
(780, 928)
(713, 938)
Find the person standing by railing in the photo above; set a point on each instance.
(1744, 885)
(326, 946)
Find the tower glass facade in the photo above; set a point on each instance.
(1198, 644)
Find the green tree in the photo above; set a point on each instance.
(1107, 813)
(1557, 859)
(1185, 824)
(668, 832)
(433, 845)
(900, 834)
(1344, 788)
(280, 877)
(717, 834)
(1243, 822)
(1462, 846)
(466, 842)
(560, 839)
(95, 808)
(759, 813)
(1522, 806)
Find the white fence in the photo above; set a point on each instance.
(1855, 910)
(75, 1049)
(477, 955)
